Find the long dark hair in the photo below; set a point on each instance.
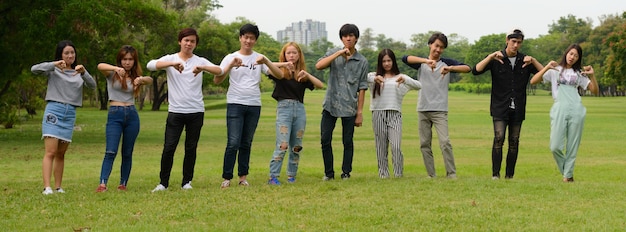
(381, 71)
(134, 72)
(577, 66)
(58, 55)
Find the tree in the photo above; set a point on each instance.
(484, 46)
(574, 30)
(616, 66)
(366, 39)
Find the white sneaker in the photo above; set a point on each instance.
(159, 187)
(60, 190)
(47, 191)
(187, 186)
(225, 184)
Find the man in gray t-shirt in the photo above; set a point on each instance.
(432, 106)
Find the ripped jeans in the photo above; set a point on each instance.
(290, 124)
(122, 126)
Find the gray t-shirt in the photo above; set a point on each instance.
(117, 93)
(345, 80)
(65, 86)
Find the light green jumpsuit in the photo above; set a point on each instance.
(567, 117)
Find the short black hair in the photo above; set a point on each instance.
(249, 28)
(348, 29)
(438, 36)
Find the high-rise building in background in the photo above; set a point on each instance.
(303, 32)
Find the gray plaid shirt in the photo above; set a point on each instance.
(345, 80)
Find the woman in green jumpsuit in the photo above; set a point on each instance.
(567, 114)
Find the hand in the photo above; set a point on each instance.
(345, 52)
(262, 60)
(79, 69)
(497, 56)
(358, 122)
(552, 64)
(178, 66)
(445, 70)
(302, 76)
(60, 64)
(290, 66)
(587, 70)
(527, 60)
(380, 80)
(237, 62)
(197, 70)
(400, 80)
(138, 81)
(432, 64)
(120, 72)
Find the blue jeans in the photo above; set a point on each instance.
(290, 124)
(192, 123)
(122, 124)
(241, 123)
(327, 126)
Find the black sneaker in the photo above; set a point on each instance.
(345, 176)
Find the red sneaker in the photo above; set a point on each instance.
(101, 188)
(121, 187)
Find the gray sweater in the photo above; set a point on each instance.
(63, 85)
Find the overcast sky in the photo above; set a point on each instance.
(399, 19)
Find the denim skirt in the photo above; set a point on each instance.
(58, 121)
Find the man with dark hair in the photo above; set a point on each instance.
(243, 99)
(186, 104)
(432, 105)
(344, 99)
(510, 73)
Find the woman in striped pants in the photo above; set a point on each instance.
(389, 87)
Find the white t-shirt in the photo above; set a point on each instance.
(184, 90)
(244, 81)
(568, 76)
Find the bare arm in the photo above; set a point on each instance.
(593, 85)
(497, 55)
(305, 76)
(359, 111)
(539, 75)
(326, 61)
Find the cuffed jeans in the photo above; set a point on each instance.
(327, 126)
(176, 122)
(122, 124)
(241, 122)
(290, 125)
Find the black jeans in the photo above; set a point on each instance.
(499, 129)
(327, 126)
(192, 123)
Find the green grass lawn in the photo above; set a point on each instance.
(535, 200)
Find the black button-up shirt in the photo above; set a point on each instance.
(508, 84)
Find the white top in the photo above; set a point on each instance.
(244, 82)
(391, 93)
(184, 90)
(568, 76)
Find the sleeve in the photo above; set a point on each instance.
(550, 75)
(412, 83)
(487, 68)
(89, 81)
(451, 62)
(152, 63)
(226, 61)
(363, 85)
(583, 81)
(414, 66)
(42, 68)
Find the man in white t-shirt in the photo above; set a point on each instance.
(243, 101)
(186, 105)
